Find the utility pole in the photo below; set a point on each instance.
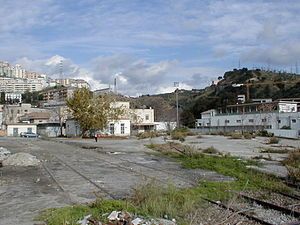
(176, 84)
(61, 70)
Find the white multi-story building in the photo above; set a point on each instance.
(278, 117)
(11, 85)
(13, 98)
(19, 72)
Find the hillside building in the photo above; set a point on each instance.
(279, 117)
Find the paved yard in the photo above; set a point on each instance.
(76, 171)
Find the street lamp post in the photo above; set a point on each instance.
(176, 84)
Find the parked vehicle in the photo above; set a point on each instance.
(29, 134)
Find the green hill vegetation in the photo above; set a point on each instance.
(261, 83)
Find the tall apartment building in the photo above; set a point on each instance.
(15, 79)
(19, 72)
(11, 85)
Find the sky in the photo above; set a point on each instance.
(149, 45)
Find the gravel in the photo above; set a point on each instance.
(277, 199)
(272, 216)
(21, 159)
(269, 215)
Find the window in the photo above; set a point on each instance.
(29, 130)
(111, 128)
(264, 120)
(122, 128)
(226, 121)
(251, 121)
(238, 121)
(293, 120)
(147, 117)
(279, 121)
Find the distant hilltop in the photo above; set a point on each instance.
(225, 90)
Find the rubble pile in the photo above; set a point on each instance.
(21, 159)
(125, 218)
(4, 154)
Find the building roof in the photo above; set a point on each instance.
(37, 115)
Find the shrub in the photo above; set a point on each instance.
(292, 164)
(248, 135)
(273, 140)
(236, 135)
(264, 133)
(210, 150)
(178, 136)
(285, 128)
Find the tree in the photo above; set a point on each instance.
(2, 98)
(187, 119)
(92, 112)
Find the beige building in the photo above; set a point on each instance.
(58, 94)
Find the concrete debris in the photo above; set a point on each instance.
(4, 154)
(136, 221)
(84, 221)
(125, 218)
(114, 215)
(21, 159)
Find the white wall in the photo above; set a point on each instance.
(165, 126)
(117, 127)
(21, 128)
(287, 107)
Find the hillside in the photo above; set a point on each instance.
(262, 84)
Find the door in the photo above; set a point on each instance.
(15, 132)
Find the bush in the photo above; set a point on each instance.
(178, 136)
(273, 140)
(264, 133)
(285, 128)
(248, 135)
(292, 164)
(210, 150)
(236, 135)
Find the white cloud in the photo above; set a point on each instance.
(134, 76)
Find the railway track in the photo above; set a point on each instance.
(250, 211)
(193, 183)
(132, 170)
(87, 178)
(64, 188)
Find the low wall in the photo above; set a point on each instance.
(294, 134)
(225, 129)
